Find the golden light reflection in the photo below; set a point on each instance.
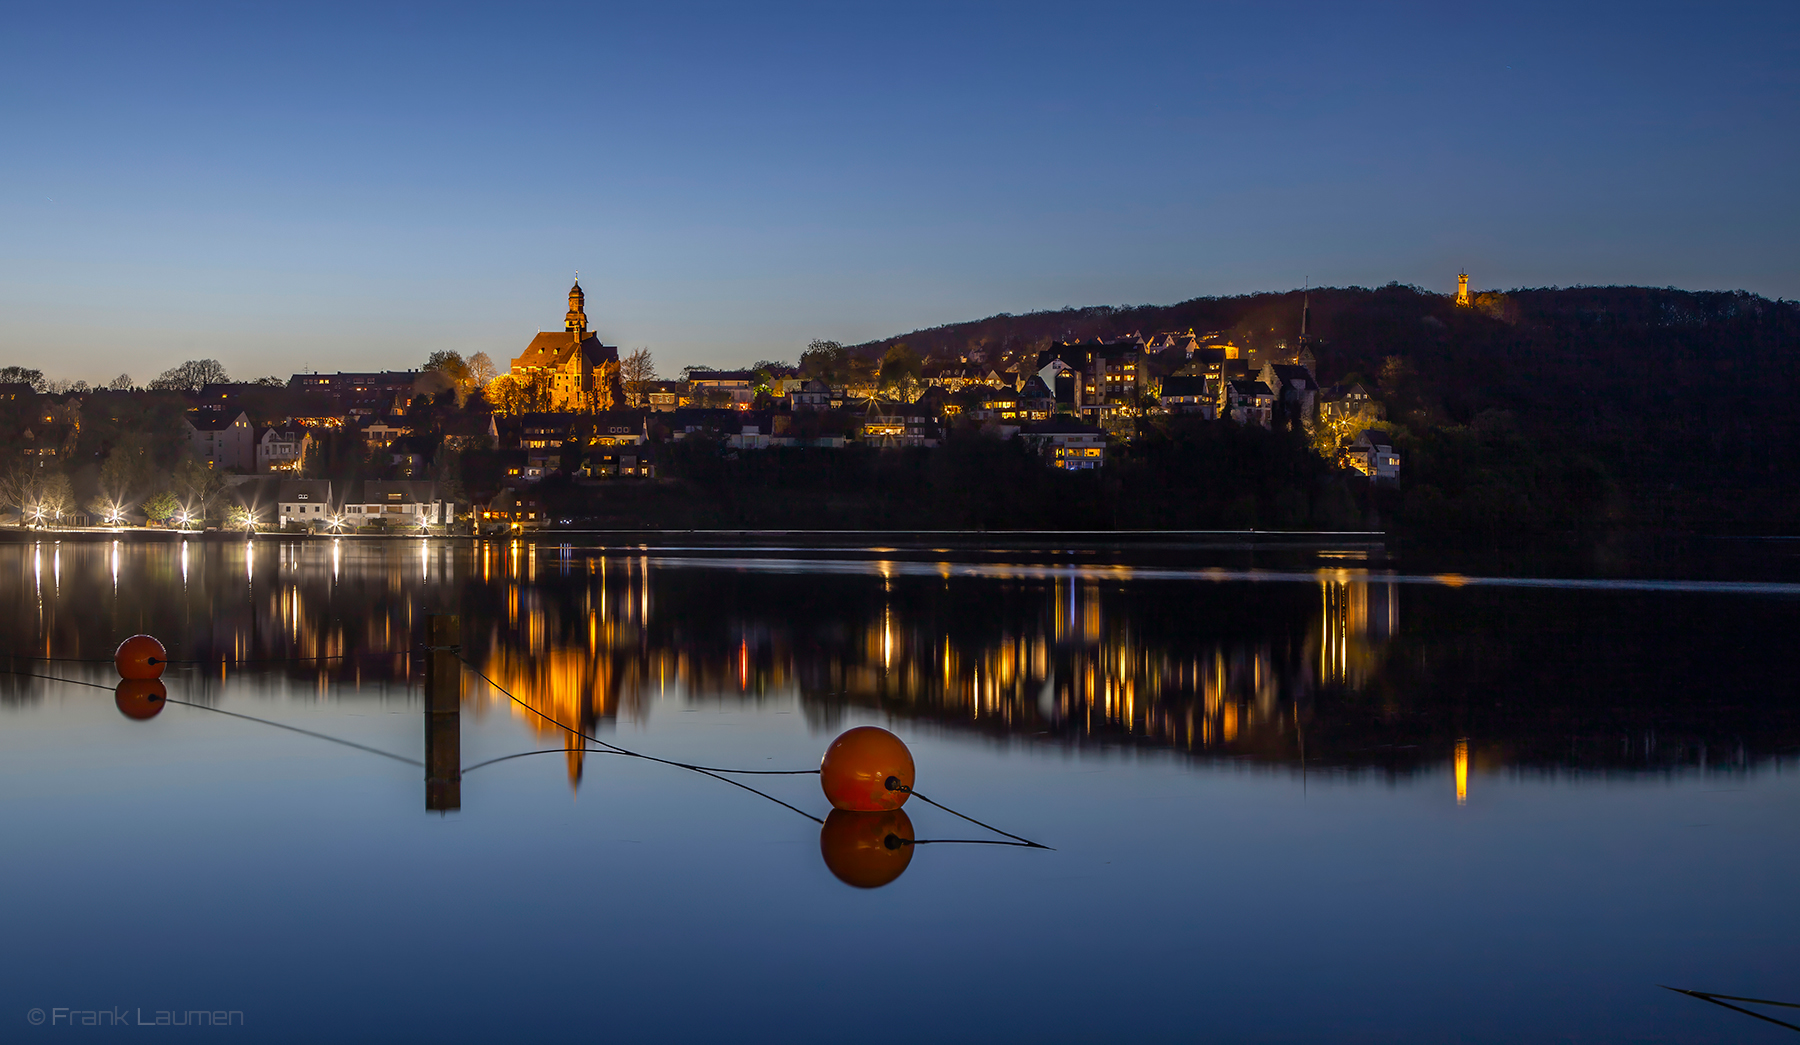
(1065, 656)
(1462, 772)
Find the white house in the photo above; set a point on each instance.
(304, 502)
(1373, 454)
(282, 449)
(399, 503)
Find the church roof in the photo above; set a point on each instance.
(554, 348)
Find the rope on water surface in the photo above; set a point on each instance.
(894, 784)
(711, 771)
(232, 714)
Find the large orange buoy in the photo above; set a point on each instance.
(857, 767)
(867, 850)
(140, 698)
(140, 657)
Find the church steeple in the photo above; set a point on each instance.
(576, 321)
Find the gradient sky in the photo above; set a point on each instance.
(312, 186)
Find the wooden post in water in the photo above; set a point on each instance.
(443, 713)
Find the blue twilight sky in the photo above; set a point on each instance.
(307, 185)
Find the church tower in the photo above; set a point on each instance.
(1462, 288)
(576, 320)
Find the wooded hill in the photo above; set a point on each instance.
(1585, 408)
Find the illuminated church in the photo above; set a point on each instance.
(583, 373)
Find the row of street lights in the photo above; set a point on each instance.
(115, 516)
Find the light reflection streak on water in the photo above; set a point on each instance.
(885, 568)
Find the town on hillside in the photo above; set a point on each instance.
(459, 446)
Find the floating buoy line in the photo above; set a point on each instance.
(866, 773)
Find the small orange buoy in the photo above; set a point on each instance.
(867, 850)
(140, 657)
(857, 767)
(140, 698)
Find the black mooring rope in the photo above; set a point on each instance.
(297, 729)
(710, 771)
(1714, 999)
(538, 751)
(894, 784)
(233, 714)
(53, 678)
(246, 660)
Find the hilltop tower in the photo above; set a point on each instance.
(1462, 289)
(576, 320)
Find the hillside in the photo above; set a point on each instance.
(1653, 409)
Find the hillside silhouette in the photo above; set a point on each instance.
(1532, 412)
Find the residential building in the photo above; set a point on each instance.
(1110, 377)
(510, 509)
(399, 503)
(282, 449)
(1036, 401)
(736, 388)
(305, 502)
(605, 462)
(898, 425)
(1248, 401)
(1345, 410)
(1189, 394)
(1067, 443)
(716, 422)
(663, 396)
(223, 442)
(380, 434)
(813, 396)
(1373, 454)
(1295, 391)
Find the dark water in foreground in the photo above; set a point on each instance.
(1293, 802)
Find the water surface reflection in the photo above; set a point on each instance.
(1323, 672)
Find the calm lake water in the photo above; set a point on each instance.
(1299, 795)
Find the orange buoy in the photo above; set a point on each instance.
(857, 767)
(140, 698)
(867, 850)
(140, 657)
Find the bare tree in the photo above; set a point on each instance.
(637, 371)
(191, 376)
(23, 376)
(195, 485)
(15, 488)
(122, 383)
(481, 369)
(55, 496)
